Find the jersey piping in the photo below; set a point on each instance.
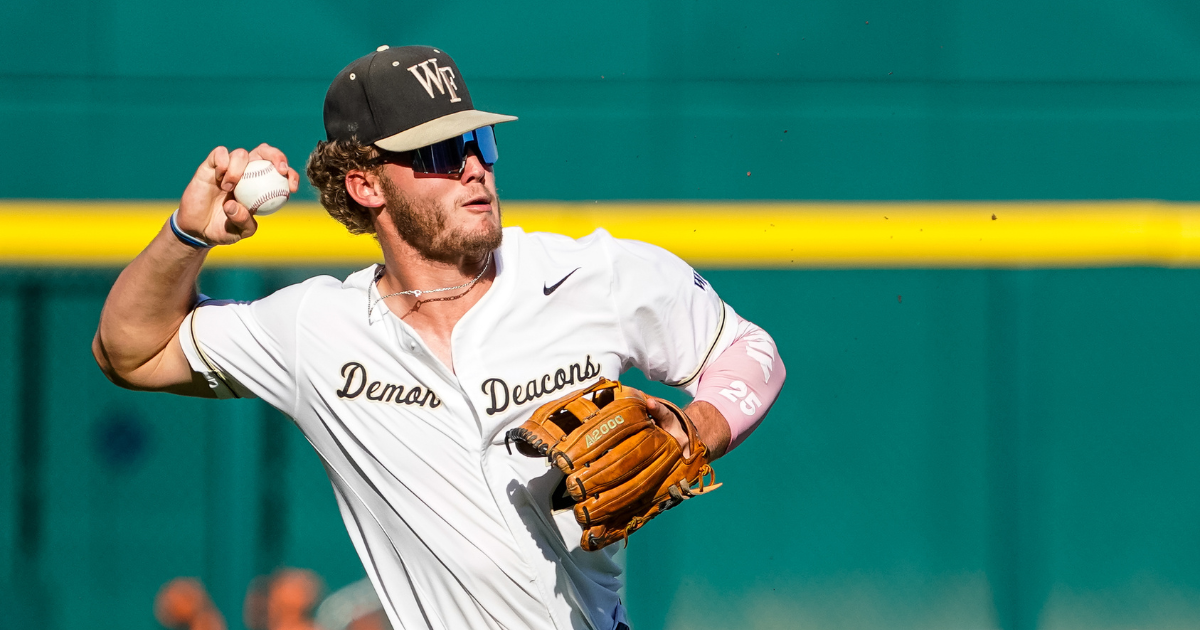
(703, 362)
(204, 356)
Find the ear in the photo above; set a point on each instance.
(365, 188)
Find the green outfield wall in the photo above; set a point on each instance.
(679, 99)
(992, 444)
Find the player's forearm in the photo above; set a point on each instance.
(143, 312)
(712, 426)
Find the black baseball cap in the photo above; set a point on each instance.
(400, 99)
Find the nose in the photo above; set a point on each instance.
(474, 169)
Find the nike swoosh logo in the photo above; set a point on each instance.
(550, 289)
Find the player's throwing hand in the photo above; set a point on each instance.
(208, 209)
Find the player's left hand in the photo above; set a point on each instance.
(664, 418)
(622, 466)
(710, 424)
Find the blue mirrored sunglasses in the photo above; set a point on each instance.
(449, 157)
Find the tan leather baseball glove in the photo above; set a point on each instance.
(622, 468)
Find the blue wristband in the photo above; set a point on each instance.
(187, 239)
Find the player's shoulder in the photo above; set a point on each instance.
(304, 288)
(600, 259)
(552, 244)
(560, 248)
(318, 292)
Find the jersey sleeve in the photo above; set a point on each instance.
(672, 320)
(247, 349)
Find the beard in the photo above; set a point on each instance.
(422, 224)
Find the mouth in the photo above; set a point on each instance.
(481, 202)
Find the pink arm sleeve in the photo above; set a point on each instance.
(743, 381)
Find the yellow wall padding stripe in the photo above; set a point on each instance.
(738, 234)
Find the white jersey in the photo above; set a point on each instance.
(454, 531)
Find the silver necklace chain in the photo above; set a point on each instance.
(419, 292)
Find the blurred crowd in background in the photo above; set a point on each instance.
(288, 599)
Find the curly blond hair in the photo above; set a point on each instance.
(327, 168)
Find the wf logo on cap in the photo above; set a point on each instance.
(442, 78)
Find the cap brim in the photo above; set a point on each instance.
(439, 129)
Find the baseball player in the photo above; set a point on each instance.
(405, 375)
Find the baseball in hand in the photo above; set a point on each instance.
(262, 189)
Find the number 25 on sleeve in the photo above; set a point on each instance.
(739, 393)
